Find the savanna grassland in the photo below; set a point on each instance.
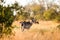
(45, 30)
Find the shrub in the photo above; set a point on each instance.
(58, 26)
(50, 14)
(57, 18)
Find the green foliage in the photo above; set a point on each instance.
(6, 20)
(58, 26)
(50, 14)
(6, 16)
(57, 19)
(37, 16)
(22, 15)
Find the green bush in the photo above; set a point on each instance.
(58, 26)
(50, 14)
(57, 18)
(6, 20)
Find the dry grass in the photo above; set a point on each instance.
(45, 30)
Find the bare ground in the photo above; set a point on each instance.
(45, 30)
